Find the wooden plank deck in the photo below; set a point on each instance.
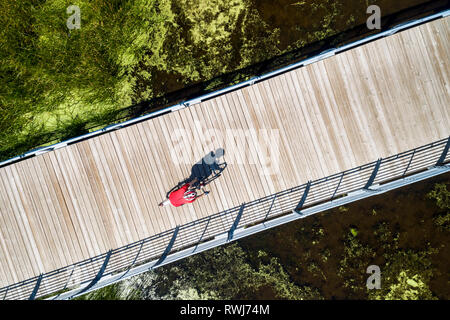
(373, 101)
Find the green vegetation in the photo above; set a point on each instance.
(234, 274)
(57, 83)
(442, 197)
(406, 278)
(356, 258)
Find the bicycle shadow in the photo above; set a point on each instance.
(205, 170)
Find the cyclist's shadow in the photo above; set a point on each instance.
(205, 170)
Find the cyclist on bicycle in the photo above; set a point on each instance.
(183, 195)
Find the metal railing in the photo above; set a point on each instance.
(83, 276)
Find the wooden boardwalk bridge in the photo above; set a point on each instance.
(80, 201)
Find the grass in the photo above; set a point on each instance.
(57, 83)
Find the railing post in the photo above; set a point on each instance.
(373, 175)
(134, 261)
(168, 248)
(303, 199)
(235, 223)
(204, 231)
(36, 288)
(441, 160)
(339, 184)
(97, 277)
(271, 205)
(409, 163)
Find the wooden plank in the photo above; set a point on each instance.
(77, 187)
(250, 117)
(127, 178)
(16, 261)
(89, 212)
(168, 180)
(199, 135)
(43, 213)
(219, 187)
(66, 206)
(97, 189)
(235, 142)
(72, 197)
(175, 174)
(101, 226)
(270, 117)
(32, 212)
(20, 209)
(155, 185)
(117, 211)
(52, 210)
(158, 172)
(178, 169)
(182, 151)
(220, 124)
(119, 185)
(290, 124)
(140, 178)
(225, 187)
(287, 153)
(325, 147)
(299, 125)
(59, 213)
(435, 63)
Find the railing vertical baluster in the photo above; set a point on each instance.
(201, 237)
(339, 184)
(303, 199)
(168, 248)
(235, 223)
(271, 205)
(373, 175)
(134, 261)
(36, 288)
(409, 163)
(441, 160)
(6, 293)
(98, 276)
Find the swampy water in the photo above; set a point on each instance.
(256, 31)
(264, 29)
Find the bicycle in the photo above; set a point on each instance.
(198, 185)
